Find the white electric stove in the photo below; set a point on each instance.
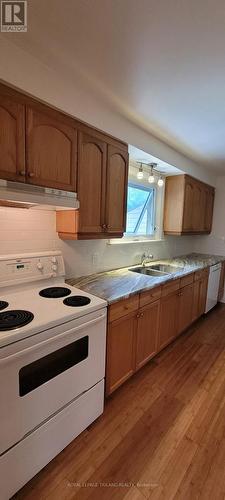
(52, 364)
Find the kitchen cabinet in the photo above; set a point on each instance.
(147, 333)
(188, 206)
(199, 294)
(116, 190)
(120, 361)
(142, 325)
(168, 324)
(12, 139)
(185, 307)
(102, 190)
(221, 283)
(51, 149)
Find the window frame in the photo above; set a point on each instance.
(149, 189)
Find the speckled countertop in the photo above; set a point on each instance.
(122, 283)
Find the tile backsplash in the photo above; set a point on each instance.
(23, 230)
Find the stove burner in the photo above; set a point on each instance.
(9, 320)
(55, 292)
(3, 304)
(77, 301)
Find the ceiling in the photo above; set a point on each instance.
(160, 63)
(137, 156)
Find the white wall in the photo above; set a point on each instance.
(29, 231)
(78, 98)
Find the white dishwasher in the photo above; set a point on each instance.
(213, 287)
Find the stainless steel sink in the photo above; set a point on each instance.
(165, 268)
(149, 271)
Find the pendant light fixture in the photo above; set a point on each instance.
(160, 181)
(140, 173)
(151, 178)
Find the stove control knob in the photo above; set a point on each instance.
(40, 266)
(54, 267)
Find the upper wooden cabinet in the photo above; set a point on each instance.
(101, 189)
(188, 206)
(116, 190)
(51, 149)
(12, 139)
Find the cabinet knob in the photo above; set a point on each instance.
(22, 172)
(30, 174)
(104, 226)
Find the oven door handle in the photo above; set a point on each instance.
(36, 347)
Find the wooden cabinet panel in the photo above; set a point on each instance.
(147, 333)
(195, 306)
(51, 149)
(168, 319)
(123, 307)
(116, 190)
(203, 295)
(208, 214)
(188, 206)
(150, 296)
(221, 283)
(185, 307)
(91, 183)
(12, 139)
(121, 342)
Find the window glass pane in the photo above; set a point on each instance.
(140, 210)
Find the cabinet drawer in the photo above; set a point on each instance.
(123, 307)
(150, 296)
(187, 280)
(202, 273)
(170, 287)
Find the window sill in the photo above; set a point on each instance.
(131, 242)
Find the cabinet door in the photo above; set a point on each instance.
(147, 333)
(198, 207)
(116, 190)
(188, 206)
(168, 319)
(51, 149)
(208, 213)
(221, 283)
(12, 139)
(202, 295)
(185, 307)
(121, 340)
(92, 154)
(196, 296)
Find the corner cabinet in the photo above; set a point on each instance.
(188, 206)
(101, 189)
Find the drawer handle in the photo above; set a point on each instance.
(30, 174)
(22, 173)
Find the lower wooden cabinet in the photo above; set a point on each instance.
(221, 284)
(142, 325)
(185, 308)
(120, 363)
(147, 333)
(168, 319)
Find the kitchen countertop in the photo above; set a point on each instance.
(122, 283)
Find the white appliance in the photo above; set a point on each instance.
(52, 364)
(19, 194)
(213, 287)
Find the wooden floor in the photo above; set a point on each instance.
(162, 435)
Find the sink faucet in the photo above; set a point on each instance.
(146, 258)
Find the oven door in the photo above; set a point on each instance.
(37, 381)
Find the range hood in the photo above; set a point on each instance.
(19, 195)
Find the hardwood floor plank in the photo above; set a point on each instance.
(162, 434)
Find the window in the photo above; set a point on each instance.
(140, 210)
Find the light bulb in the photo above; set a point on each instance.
(140, 173)
(151, 178)
(160, 181)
